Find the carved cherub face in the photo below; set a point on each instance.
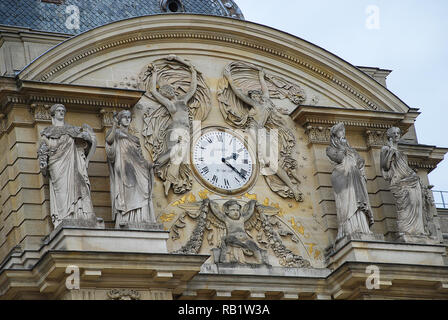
(233, 211)
(168, 91)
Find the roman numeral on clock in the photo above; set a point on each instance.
(215, 179)
(226, 183)
(243, 174)
(205, 170)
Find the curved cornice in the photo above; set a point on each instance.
(225, 32)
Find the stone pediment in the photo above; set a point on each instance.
(113, 56)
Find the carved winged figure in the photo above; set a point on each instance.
(245, 96)
(182, 97)
(233, 222)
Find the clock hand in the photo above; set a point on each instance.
(233, 168)
(234, 156)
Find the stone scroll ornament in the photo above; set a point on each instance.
(354, 213)
(405, 186)
(245, 96)
(182, 97)
(131, 176)
(227, 227)
(64, 154)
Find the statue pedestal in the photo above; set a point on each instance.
(96, 223)
(355, 237)
(416, 239)
(107, 240)
(139, 226)
(386, 252)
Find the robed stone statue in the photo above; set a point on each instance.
(64, 154)
(353, 209)
(405, 186)
(131, 176)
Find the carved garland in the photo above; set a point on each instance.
(216, 38)
(123, 294)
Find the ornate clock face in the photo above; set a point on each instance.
(223, 161)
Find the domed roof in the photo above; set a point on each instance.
(60, 15)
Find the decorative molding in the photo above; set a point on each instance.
(107, 117)
(41, 112)
(426, 165)
(318, 134)
(348, 123)
(123, 294)
(13, 99)
(78, 101)
(214, 37)
(376, 138)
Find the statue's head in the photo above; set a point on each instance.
(124, 118)
(232, 209)
(338, 131)
(168, 91)
(256, 95)
(57, 111)
(393, 134)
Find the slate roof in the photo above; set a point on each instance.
(52, 17)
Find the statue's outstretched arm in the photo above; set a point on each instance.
(193, 86)
(153, 89)
(236, 90)
(249, 209)
(214, 208)
(264, 85)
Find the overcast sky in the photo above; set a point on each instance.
(411, 39)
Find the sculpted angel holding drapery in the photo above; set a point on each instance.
(238, 231)
(182, 96)
(233, 221)
(245, 95)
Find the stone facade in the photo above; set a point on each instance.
(259, 240)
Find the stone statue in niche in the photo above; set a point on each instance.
(245, 95)
(64, 154)
(131, 177)
(349, 184)
(405, 186)
(182, 97)
(227, 227)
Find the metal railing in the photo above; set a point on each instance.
(440, 199)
